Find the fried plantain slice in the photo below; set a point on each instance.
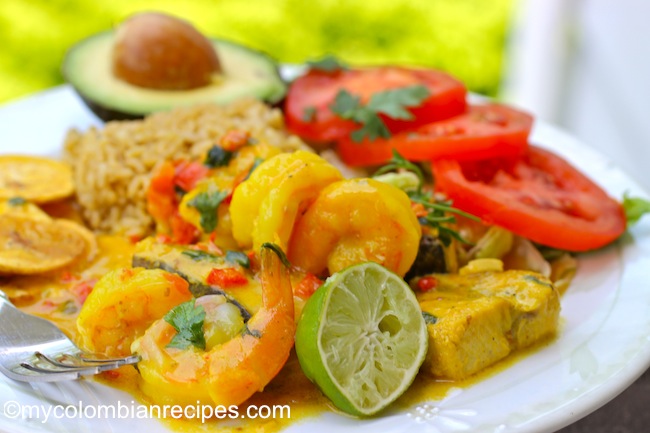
(31, 246)
(38, 180)
(21, 207)
(91, 248)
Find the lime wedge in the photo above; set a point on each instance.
(362, 338)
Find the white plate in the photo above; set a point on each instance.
(602, 348)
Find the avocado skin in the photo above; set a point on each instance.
(104, 111)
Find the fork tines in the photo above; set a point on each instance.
(82, 364)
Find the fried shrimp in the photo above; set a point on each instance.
(354, 221)
(264, 207)
(228, 372)
(123, 304)
(291, 197)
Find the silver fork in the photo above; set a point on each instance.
(35, 350)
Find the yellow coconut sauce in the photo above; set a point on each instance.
(56, 297)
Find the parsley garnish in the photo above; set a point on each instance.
(198, 255)
(429, 318)
(635, 208)
(207, 203)
(16, 201)
(239, 258)
(438, 212)
(217, 157)
(438, 216)
(187, 319)
(392, 103)
(308, 114)
(398, 162)
(328, 63)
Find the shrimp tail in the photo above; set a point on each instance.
(250, 362)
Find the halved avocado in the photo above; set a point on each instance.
(245, 73)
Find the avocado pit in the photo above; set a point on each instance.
(158, 51)
(154, 62)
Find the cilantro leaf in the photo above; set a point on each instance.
(187, 319)
(346, 105)
(635, 208)
(373, 128)
(207, 203)
(439, 214)
(392, 103)
(328, 63)
(217, 157)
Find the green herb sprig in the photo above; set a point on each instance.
(392, 103)
(440, 214)
(218, 157)
(187, 319)
(635, 208)
(207, 204)
(397, 163)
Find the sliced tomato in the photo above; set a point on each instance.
(484, 131)
(539, 196)
(307, 104)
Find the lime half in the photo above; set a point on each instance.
(362, 338)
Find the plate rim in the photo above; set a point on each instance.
(563, 415)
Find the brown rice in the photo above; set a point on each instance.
(112, 166)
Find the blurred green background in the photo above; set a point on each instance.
(464, 37)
